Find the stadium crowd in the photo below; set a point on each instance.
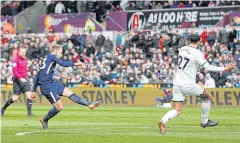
(102, 7)
(135, 57)
(93, 5)
(12, 8)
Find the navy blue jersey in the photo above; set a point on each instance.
(45, 75)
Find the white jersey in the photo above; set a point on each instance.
(189, 60)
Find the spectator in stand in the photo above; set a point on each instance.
(108, 45)
(82, 39)
(204, 35)
(167, 97)
(81, 6)
(131, 6)
(5, 9)
(71, 6)
(90, 39)
(156, 40)
(166, 41)
(232, 35)
(51, 8)
(181, 5)
(90, 50)
(211, 37)
(172, 4)
(118, 8)
(211, 4)
(97, 79)
(222, 79)
(100, 41)
(119, 39)
(233, 78)
(14, 50)
(135, 56)
(186, 34)
(5, 52)
(99, 12)
(238, 84)
(190, 4)
(90, 6)
(209, 81)
(224, 36)
(228, 85)
(200, 78)
(60, 8)
(181, 41)
(203, 3)
(159, 5)
(101, 7)
(14, 8)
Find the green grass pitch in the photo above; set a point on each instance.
(78, 124)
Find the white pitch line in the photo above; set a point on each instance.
(129, 133)
(155, 134)
(24, 133)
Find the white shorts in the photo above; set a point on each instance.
(180, 92)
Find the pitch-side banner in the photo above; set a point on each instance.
(173, 18)
(108, 96)
(4, 19)
(68, 23)
(222, 97)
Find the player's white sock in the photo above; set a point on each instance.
(205, 109)
(169, 115)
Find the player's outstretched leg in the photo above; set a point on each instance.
(81, 101)
(29, 104)
(205, 109)
(168, 116)
(58, 106)
(8, 103)
(72, 96)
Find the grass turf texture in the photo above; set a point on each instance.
(118, 125)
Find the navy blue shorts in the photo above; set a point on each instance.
(52, 91)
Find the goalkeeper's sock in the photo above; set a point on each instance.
(205, 109)
(78, 100)
(169, 115)
(51, 113)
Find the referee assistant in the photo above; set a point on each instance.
(20, 83)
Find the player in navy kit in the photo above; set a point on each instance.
(51, 89)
